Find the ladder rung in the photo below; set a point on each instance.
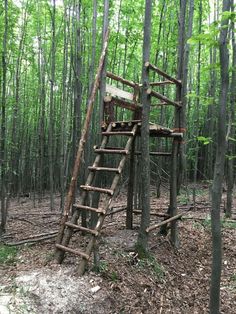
(118, 133)
(70, 225)
(111, 151)
(96, 189)
(117, 170)
(92, 209)
(76, 252)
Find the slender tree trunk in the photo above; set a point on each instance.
(180, 118)
(219, 168)
(142, 244)
(51, 110)
(63, 108)
(231, 129)
(197, 111)
(3, 122)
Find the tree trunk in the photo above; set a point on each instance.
(142, 244)
(219, 168)
(51, 108)
(180, 119)
(231, 129)
(3, 122)
(197, 117)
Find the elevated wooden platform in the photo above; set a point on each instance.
(155, 130)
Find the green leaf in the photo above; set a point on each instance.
(204, 140)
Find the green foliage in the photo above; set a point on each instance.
(151, 263)
(8, 254)
(231, 157)
(204, 140)
(207, 39)
(224, 223)
(233, 278)
(101, 268)
(104, 270)
(228, 15)
(228, 224)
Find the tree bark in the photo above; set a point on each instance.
(3, 122)
(51, 108)
(219, 168)
(142, 244)
(231, 128)
(180, 116)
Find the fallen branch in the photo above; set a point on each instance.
(33, 239)
(139, 212)
(23, 219)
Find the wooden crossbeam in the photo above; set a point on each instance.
(122, 103)
(163, 98)
(162, 73)
(121, 79)
(164, 222)
(161, 83)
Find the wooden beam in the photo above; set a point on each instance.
(164, 222)
(176, 135)
(163, 98)
(156, 153)
(161, 83)
(122, 80)
(122, 103)
(114, 91)
(162, 73)
(159, 104)
(139, 212)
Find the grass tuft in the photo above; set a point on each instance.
(8, 254)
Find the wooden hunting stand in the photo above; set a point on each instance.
(128, 130)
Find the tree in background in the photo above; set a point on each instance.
(219, 165)
(3, 122)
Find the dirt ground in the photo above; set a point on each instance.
(169, 281)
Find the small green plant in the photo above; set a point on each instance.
(229, 224)
(49, 257)
(102, 267)
(114, 276)
(8, 254)
(207, 222)
(224, 223)
(233, 278)
(151, 263)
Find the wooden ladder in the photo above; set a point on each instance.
(75, 223)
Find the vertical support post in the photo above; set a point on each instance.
(129, 212)
(173, 194)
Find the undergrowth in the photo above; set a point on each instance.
(8, 254)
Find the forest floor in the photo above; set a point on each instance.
(168, 281)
